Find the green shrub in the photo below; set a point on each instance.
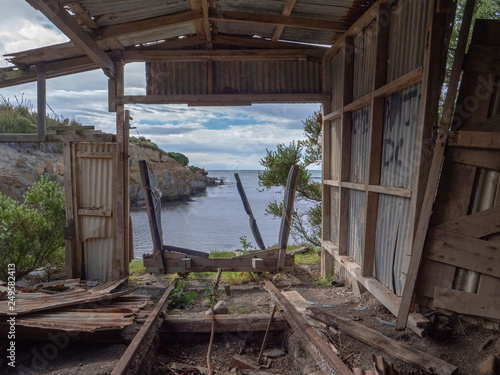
(181, 298)
(181, 158)
(31, 233)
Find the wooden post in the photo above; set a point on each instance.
(41, 100)
(70, 230)
(345, 167)
(375, 142)
(119, 268)
(327, 260)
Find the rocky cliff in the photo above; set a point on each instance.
(21, 165)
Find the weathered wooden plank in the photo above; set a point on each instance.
(287, 10)
(224, 323)
(258, 43)
(317, 347)
(41, 95)
(464, 252)
(489, 159)
(433, 274)
(421, 360)
(467, 303)
(97, 212)
(173, 263)
(223, 99)
(68, 25)
(144, 336)
(476, 225)
(416, 322)
(149, 24)
(474, 139)
(452, 199)
(186, 251)
(276, 20)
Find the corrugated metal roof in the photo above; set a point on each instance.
(120, 12)
(309, 36)
(33, 302)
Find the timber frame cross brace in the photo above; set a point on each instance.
(172, 259)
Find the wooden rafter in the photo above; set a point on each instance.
(258, 43)
(145, 55)
(206, 22)
(287, 10)
(196, 7)
(70, 27)
(276, 20)
(150, 24)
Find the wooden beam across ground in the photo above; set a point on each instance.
(224, 323)
(322, 353)
(421, 360)
(144, 337)
(68, 25)
(175, 262)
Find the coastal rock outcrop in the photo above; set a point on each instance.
(23, 164)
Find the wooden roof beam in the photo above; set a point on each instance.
(260, 43)
(287, 10)
(276, 20)
(149, 24)
(197, 8)
(70, 27)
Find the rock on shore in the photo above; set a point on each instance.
(22, 164)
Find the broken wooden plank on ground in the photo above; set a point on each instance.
(144, 337)
(224, 323)
(421, 360)
(322, 353)
(29, 303)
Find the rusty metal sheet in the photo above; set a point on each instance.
(30, 302)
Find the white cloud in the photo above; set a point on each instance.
(239, 144)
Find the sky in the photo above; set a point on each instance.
(211, 137)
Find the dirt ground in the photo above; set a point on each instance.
(460, 345)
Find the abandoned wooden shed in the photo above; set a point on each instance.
(377, 67)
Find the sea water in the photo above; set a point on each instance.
(216, 219)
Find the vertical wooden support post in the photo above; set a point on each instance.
(345, 165)
(119, 268)
(126, 193)
(210, 76)
(112, 95)
(70, 230)
(41, 86)
(375, 140)
(327, 260)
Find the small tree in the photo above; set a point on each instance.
(306, 224)
(31, 233)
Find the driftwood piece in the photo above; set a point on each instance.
(421, 360)
(248, 210)
(212, 333)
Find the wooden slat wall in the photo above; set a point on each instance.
(361, 198)
(463, 242)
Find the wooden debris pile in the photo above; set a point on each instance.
(72, 306)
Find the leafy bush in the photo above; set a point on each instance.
(181, 298)
(181, 158)
(31, 233)
(146, 143)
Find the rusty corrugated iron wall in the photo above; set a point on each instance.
(234, 77)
